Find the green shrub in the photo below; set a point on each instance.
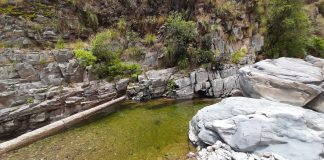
(9, 9)
(321, 8)
(149, 39)
(2, 2)
(316, 47)
(122, 25)
(132, 37)
(288, 29)
(105, 37)
(171, 85)
(92, 19)
(86, 57)
(60, 43)
(6, 45)
(43, 62)
(224, 7)
(107, 47)
(237, 56)
(232, 38)
(183, 63)
(117, 70)
(78, 45)
(134, 53)
(179, 34)
(30, 100)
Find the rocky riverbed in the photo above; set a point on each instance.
(277, 125)
(281, 124)
(40, 87)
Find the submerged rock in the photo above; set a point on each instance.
(259, 126)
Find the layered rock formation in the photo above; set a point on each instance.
(40, 87)
(260, 126)
(23, 73)
(174, 84)
(288, 80)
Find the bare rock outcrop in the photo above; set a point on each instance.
(260, 126)
(288, 80)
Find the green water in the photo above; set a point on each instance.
(156, 129)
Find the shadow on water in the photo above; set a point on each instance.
(156, 129)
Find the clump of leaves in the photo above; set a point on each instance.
(134, 53)
(180, 33)
(316, 47)
(237, 56)
(288, 29)
(107, 47)
(85, 57)
(149, 39)
(60, 43)
(30, 100)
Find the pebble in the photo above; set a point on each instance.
(210, 149)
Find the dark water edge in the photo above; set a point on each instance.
(157, 129)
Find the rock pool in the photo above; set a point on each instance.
(157, 129)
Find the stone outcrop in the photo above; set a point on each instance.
(39, 23)
(260, 126)
(58, 103)
(175, 84)
(40, 87)
(23, 74)
(288, 80)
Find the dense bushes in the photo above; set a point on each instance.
(288, 29)
(106, 50)
(224, 8)
(149, 39)
(180, 33)
(316, 46)
(321, 8)
(107, 47)
(86, 58)
(184, 46)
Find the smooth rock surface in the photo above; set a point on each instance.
(287, 80)
(260, 126)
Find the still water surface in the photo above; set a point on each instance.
(156, 129)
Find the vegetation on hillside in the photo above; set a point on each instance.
(289, 30)
(105, 55)
(182, 31)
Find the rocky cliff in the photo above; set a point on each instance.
(40, 87)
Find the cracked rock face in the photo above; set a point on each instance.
(287, 80)
(259, 126)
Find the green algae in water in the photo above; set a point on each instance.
(156, 129)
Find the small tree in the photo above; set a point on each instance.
(180, 33)
(289, 29)
(107, 47)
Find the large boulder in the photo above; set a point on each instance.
(287, 80)
(260, 126)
